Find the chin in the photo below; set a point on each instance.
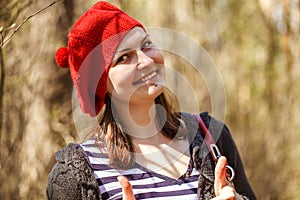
(156, 90)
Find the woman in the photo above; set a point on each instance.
(142, 149)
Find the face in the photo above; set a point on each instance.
(137, 70)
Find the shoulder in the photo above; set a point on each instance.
(218, 129)
(71, 176)
(227, 146)
(220, 132)
(208, 119)
(215, 126)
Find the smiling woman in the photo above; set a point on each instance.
(138, 65)
(119, 75)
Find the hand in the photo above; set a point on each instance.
(223, 189)
(126, 188)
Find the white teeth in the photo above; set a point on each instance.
(150, 76)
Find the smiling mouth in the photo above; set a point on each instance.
(146, 78)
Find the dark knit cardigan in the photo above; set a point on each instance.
(72, 178)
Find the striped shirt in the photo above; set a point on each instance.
(146, 184)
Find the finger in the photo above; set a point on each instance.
(126, 188)
(220, 175)
(227, 193)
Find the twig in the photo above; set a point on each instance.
(5, 40)
(2, 76)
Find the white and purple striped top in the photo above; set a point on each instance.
(146, 184)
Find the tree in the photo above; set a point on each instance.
(255, 45)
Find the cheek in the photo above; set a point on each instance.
(156, 55)
(160, 57)
(119, 80)
(109, 86)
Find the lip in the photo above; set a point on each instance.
(148, 77)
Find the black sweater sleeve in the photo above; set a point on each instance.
(228, 149)
(71, 177)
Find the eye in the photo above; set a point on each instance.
(122, 58)
(147, 45)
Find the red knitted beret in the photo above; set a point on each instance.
(92, 43)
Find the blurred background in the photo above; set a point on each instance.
(255, 45)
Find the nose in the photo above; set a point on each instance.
(143, 59)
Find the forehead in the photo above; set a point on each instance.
(132, 39)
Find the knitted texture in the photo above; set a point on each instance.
(92, 43)
(71, 177)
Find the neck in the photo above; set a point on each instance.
(138, 120)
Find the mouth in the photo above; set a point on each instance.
(146, 78)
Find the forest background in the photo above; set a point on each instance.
(255, 45)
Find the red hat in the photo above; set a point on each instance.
(92, 43)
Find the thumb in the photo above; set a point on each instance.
(220, 175)
(126, 188)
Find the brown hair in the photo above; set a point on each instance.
(117, 143)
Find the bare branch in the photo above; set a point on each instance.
(5, 40)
